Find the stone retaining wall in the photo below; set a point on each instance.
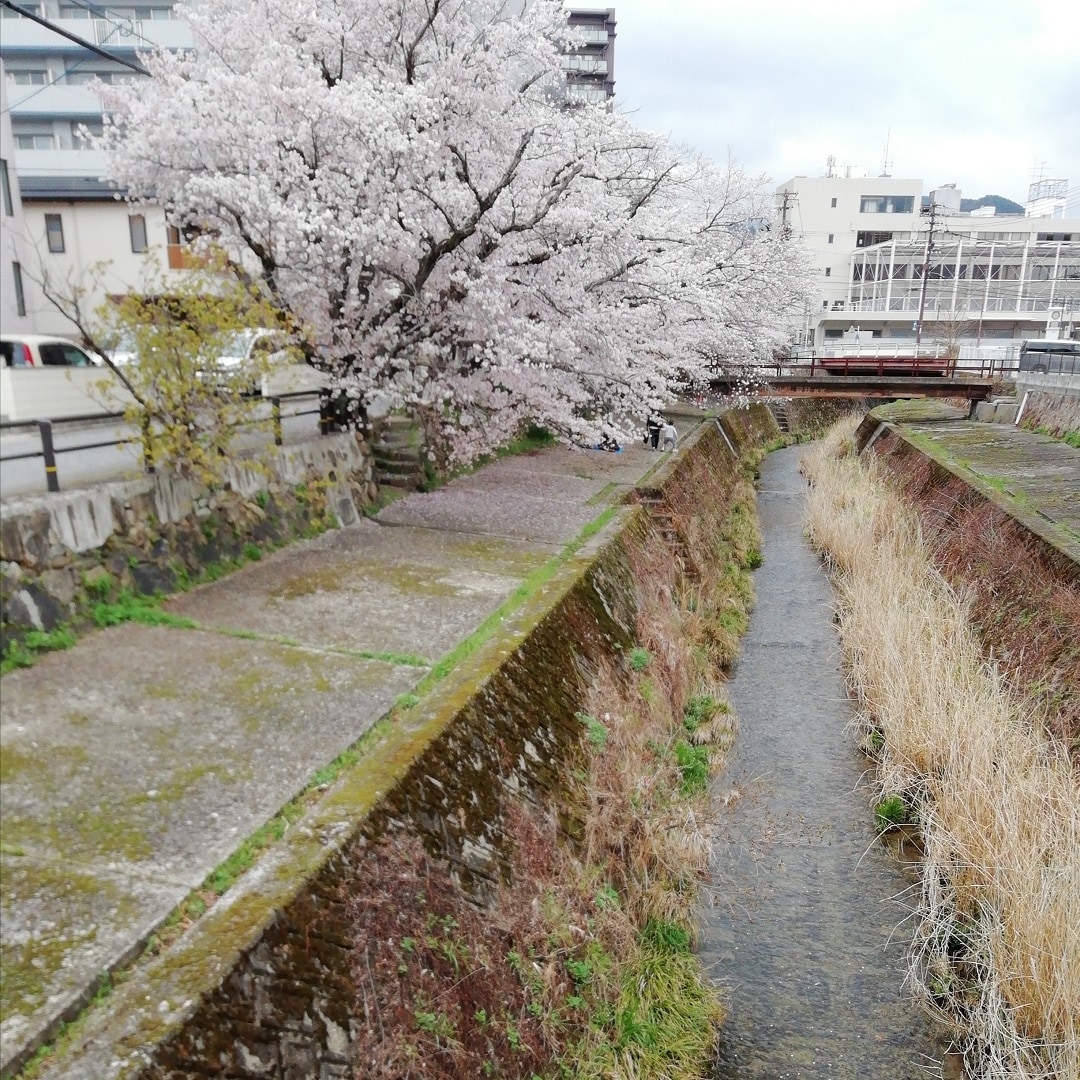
(62, 553)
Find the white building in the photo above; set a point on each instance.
(891, 270)
(14, 317)
(71, 220)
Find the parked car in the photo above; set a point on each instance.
(123, 353)
(254, 349)
(249, 346)
(41, 350)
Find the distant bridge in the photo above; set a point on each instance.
(868, 377)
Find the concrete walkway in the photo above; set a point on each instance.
(1038, 476)
(136, 762)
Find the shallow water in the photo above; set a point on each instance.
(807, 929)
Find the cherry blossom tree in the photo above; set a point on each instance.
(406, 181)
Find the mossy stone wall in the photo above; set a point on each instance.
(1023, 589)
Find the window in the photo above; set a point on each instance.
(54, 233)
(62, 354)
(886, 204)
(825, 304)
(828, 271)
(137, 228)
(34, 141)
(80, 77)
(870, 238)
(20, 296)
(83, 134)
(7, 13)
(834, 204)
(5, 184)
(73, 11)
(830, 238)
(29, 78)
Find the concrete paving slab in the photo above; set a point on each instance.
(132, 765)
(544, 497)
(1042, 474)
(403, 591)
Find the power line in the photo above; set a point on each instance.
(74, 37)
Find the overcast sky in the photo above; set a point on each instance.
(983, 93)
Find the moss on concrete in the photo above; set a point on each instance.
(407, 579)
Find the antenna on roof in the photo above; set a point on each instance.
(887, 164)
(830, 162)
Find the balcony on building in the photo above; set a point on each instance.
(23, 37)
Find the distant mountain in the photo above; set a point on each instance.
(999, 202)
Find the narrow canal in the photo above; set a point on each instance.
(806, 928)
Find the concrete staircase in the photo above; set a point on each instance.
(397, 451)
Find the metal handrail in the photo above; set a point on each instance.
(49, 451)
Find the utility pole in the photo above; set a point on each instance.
(785, 206)
(932, 211)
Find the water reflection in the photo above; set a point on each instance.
(806, 926)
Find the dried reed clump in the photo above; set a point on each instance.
(1023, 597)
(997, 949)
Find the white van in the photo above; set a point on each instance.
(41, 350)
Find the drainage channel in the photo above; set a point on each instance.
(807, 926)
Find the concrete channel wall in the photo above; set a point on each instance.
(262, 985)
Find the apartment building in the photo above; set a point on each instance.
(891, 269)
(14, 317)
(590, 69)
(70, 219)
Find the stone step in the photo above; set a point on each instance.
(395, 455)
(408, 482)
(400, 472)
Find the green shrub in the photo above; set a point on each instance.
(693, 763)
(891, 812)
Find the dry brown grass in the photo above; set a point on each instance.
(997, 950)
(1023, 596)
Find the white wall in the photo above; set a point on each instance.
(11, 231)
(97, 257)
